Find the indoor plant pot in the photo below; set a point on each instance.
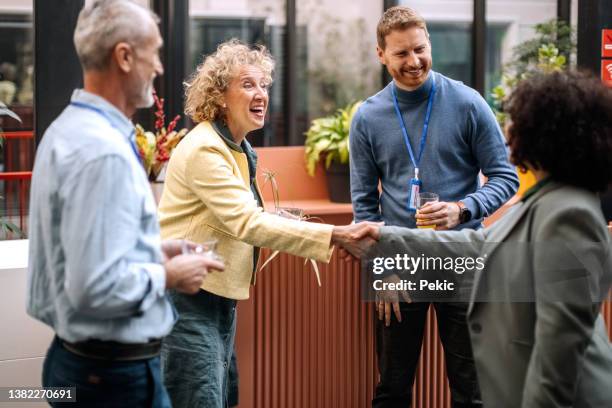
(328, 138)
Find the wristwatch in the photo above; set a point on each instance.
(464, 213)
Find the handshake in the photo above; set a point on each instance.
(356, 240)
(186, 272)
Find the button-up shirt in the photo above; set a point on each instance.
(95, 259)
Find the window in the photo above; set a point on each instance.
(252, 23)
(17, 92)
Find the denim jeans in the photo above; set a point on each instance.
(232, 392)
(116, 384)
(197, 355)
(398, 348)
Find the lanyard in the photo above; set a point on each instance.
(100, 112)
(431, 96)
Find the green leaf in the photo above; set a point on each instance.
(547, 52)
(8, 226)
(329, 136)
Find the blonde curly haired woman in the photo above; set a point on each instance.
(211, 193)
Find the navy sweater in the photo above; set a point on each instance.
(463, 139)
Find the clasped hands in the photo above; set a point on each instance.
(355, 240)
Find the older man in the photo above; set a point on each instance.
(98, 270)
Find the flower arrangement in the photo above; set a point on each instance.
(156, 148)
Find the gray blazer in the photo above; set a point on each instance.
(547, 352)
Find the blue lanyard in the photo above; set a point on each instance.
(100, 112)
(431, 96)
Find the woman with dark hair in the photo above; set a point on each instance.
(538, 337)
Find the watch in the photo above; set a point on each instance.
(464, 213)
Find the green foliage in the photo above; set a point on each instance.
(547, 52)
(328, 137)
(527, 54)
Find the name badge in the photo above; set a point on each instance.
(413, 197)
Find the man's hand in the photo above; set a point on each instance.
(387, 300)
(173, 247)
(357, 239)
(441, 214)
(185, 273)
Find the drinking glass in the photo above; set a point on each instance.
(422, 200)
(206, 248)
(290, 212)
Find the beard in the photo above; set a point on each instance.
(143, 94)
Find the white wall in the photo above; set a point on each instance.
(24, 341)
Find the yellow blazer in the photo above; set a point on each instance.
(207, 196)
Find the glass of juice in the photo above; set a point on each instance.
(423, 200)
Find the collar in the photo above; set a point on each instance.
(223, 131)
(418, 95)
(535, 188)
(117, 118)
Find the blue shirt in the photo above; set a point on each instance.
(95, 251)
(463, 140)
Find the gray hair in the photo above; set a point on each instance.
(104, 23)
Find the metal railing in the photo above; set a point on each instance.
(15, 176)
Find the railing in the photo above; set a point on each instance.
(15, 201)
(15, 176)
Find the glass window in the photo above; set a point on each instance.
(509, 24)
(337, 47)
(451, 49)
(17, 93)
(261, 22)
(16, 69)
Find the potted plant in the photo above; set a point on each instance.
(5, 225)
(328, 139)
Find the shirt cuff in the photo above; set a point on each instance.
(158, 278)
(157, 285)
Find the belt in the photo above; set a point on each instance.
(114, 351)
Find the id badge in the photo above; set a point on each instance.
(413, 197)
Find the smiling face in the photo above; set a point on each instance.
(407, 56)
(246, 101)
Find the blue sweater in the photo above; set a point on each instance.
(463, 139)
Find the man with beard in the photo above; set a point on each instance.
(98, 270)
(424, 132)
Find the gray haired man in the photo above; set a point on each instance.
(98, 270)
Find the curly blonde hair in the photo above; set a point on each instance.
(205, 88)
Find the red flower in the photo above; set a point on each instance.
(172, 124)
